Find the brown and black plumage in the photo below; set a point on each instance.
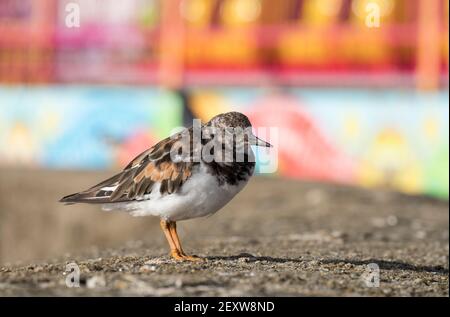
(180, 179)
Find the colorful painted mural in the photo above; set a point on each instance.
(82, 127)
(374, 138)
(384, 138)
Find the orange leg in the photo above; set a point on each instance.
(170, 231)
(176, 240)
(165, 226)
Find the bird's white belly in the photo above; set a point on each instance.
(199, 196)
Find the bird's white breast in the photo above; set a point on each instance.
(199, 196)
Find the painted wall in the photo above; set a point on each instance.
(371, 138)
(82, 127)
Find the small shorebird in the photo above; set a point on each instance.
(198, 182)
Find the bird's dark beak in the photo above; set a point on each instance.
(254, 140)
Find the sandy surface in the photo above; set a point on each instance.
(278, 237)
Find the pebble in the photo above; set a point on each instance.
(147, 268)
(178, 283)
(96, 281)
(418, 281)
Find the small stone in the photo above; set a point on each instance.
(147, 268)
(418, 281)
(96, 282)
(348, 265)
(243, 260)
(178, 283)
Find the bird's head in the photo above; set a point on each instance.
(238, 124)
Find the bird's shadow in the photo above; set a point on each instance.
(252, 258)
(382, 264)
(393, 265)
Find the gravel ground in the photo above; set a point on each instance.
(277, 238)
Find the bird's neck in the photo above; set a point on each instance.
(237, 168)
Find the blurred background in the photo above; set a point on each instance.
(358, 90)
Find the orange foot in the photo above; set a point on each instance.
(193, 258)
(177, 255)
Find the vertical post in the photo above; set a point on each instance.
(42, 30)
(428, 45)
(171, 50)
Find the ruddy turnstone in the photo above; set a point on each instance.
(191, 174)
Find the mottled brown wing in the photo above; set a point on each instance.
(153, 166)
